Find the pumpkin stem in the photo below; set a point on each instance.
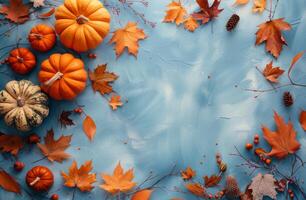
(37, 36)
(82, 19)
(20, 101)
(35, 181)
(54, 78)
(19, 59)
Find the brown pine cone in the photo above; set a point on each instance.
(287, 99)
(232, 190)
(232, 22)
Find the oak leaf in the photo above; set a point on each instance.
(188, 174)
(263, 185)
(259, 5)
(15, 11)
(303, 119)
(207, 12)
(11, 144)
(89, 127)
(196, 189)
(283, 141)
(127, 37)
(65, 119)
(115, 102)
(120, 181)
(8, 183)
(272, 73)
(191, 24)
(241, 2)
(101, 79)
(53, 149)
(142, 195)
(175, 13)
(81, 178)
(212, 180)
(271, 33)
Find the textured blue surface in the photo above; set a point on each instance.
(175, 114)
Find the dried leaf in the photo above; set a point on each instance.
(188, 174)
(11, 143)
(283, 141)
(120, 181)
(271, 33)
(115, 102)
(127, 37)
(295, 59)
(15, 11)
(101, 79)
(8, 183)
(81, 178)
(175, 13)
(212, 180)
(191, 24)
(241, 2)
(303, 119)
(263, 185)
(47, 14)
(207, 12)
(259, 6)
(196, 189)
(65, 119)
(272, 73)
(142, 195)
(53, 149)
(89, 127)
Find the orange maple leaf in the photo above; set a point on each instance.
(207, 12)
(270, 32)
(81, 178)
(115, 102)
(283, 141)
(212, 180)
(272, 73)
(119, 181)
(101, 79)
(11, 143)
(175, 13)
(191, 24)
(303, 119)
(9, 183)
(15, 11)
(188, 173)
(53, 149)
(196, 189)
(127, 37)
(259, 5)
(142, 195)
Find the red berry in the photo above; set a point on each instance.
(248, 146)
(33, 138)
(256, 141)
(268, 161)
(256, 136)
(78, 110)
(54, 197)
(18, 166)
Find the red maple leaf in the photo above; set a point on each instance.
(207, 12)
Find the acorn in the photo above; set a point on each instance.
(222, 167)
(18, 166)
(33, 138)
(248, 146)
(232, 188)
(54, 197)
(287, 99)
(232, 22)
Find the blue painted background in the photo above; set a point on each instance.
(175, 113)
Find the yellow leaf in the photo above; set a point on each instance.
(115, 102)
(259, 6)
(89, 127)
(191, 24)
(142, 195)
(175, 13)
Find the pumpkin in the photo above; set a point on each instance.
(63, 76)
(23, 105)
(42, 37)
(40, 178)
(82, 24)
(21, 60)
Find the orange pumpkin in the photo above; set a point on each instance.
(63, 76)
(82, 24)
(21, 60)
(42, 37)
(40, 178)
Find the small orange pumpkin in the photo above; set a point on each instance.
(62, 76)
(21, 60)
(42, 37)
(82, 24)
(40, 178)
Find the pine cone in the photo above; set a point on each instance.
(232, 22)
(232, 190)
(287, 99)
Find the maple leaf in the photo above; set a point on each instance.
(8, 183)
(263, 185)
(207, 12)
(188, 174)
(81, 178)
(303, 119)
(272, 73)
(196, 189)
(120, 181)
(115, 102)
(283, 141)
(11, 144)
(127, 37)
(191, 24)
(101, 79)
(271, 33)
(15, 11)
(212, 180)
(142, 195)
(175, 13)
(54, 150)
(89, 127)
(241, 2)
(65, 119)
(259, 6)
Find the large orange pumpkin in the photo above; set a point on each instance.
(62, 76)
(82, 24)
(42, 37)
(21, 60)
(40, 178)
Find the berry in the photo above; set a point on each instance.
(18, 166)
(256, 137)
(54, 197)
(33, 139)
(287, 99)
(268, 161)
(248, 146)
(232, 22)
(78, 110)
(256, 141)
